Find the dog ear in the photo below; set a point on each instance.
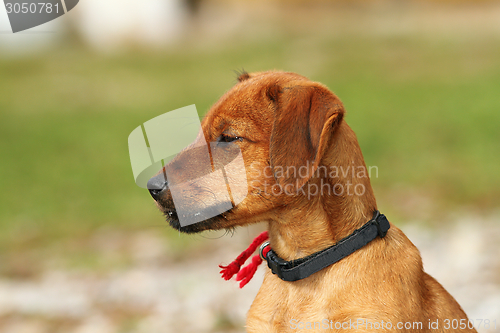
(306, 114)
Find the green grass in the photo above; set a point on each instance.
(426, 112)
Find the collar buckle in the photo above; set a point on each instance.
(276, 264)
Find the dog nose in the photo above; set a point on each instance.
(157, 185)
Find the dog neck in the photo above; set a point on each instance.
(320, 221)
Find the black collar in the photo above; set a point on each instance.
(301, 268)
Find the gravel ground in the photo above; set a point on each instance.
(157, 292)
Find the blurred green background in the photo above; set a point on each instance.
(426, 110)
(420, 83)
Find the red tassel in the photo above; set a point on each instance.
(229, 270)
(234, 267)
(247, 272)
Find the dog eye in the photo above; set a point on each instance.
(229, 138)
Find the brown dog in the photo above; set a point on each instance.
(283, 122)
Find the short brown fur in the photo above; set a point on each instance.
(285, 120)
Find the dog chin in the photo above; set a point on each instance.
(213, 223)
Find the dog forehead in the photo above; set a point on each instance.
(241, 100)
(252, 88)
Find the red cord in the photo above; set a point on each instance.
(246, 274)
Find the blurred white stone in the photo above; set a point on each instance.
(105, 25)
(112, 24)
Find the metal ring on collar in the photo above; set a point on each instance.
(262, 247)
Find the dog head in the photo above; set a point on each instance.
(281, 124)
